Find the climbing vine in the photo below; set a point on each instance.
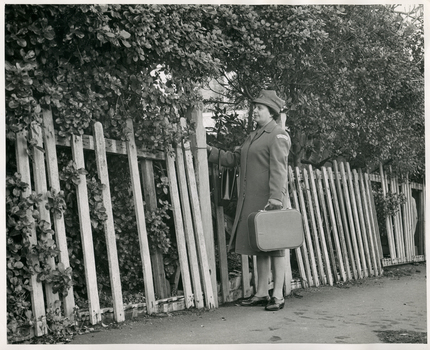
(23, 218)
(25, 259)
(386, 206)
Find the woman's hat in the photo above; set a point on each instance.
(269, 99)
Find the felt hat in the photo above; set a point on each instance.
(270, 99)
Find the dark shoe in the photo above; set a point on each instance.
(255, 301)
(275, 304)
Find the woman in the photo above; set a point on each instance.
(263, 183)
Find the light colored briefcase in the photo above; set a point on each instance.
(275, 229)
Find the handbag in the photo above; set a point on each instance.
(227, 183)
(275, 229)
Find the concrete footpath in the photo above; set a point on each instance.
(357, 312)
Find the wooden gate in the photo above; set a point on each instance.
(195, 268)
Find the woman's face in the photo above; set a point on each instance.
(261, 114)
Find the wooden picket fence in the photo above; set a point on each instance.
(191, 216)
(342, 239)
(409, 219)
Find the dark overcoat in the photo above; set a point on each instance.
(263, 161)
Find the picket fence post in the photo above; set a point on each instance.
(388, 223)
(201, 240)
(339, 213)
(36, 294)
(40, 186)
(86, 233)
(112, 253)
(334, 226)
(189, 229)
(326, 231)
(179, 229)
(198, 143)
(301, 252)
(319, 227)
(140, 219)
(162, 287)
(54, 183)
(314, 281)
(368, 227)
(221, 239)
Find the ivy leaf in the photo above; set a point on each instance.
(9, 67)
(19, 265)
(49, 33)
(82, 171)
(13, 104)
(44, 225)
(10, 86)
(21, 42)
(124, 34)
(125, 43)
(27, 287)
(79, 34)
(94, 223)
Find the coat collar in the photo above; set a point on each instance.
(269, 127)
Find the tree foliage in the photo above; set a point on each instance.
(352, 77)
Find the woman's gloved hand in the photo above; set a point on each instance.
(273, 204)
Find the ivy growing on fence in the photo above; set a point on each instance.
(22, 221)
(387, 206)
(23, 217)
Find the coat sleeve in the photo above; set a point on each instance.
(279, 150)
(228, 159)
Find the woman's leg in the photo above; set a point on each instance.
(278, 270)
(263, 269)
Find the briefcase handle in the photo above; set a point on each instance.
(267, 205)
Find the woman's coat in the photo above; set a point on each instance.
(263, 160)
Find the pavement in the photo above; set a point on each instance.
(356, 312)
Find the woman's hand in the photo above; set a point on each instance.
(273, 204)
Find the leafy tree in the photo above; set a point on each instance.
(352, 77)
